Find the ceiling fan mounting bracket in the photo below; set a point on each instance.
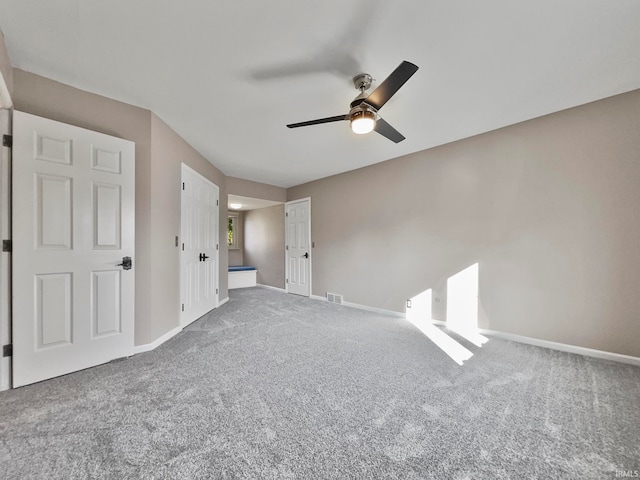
(362, 81)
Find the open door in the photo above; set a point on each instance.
(298, 246)
(73, 245)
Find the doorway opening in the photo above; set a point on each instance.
(256, 242)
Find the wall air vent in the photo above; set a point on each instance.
(334, 298)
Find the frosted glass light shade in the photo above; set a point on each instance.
(363, 124)
(362, 119)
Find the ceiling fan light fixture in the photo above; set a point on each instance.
(363, 121)
(363, 116)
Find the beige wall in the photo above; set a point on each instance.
(168, 152)
(548, 208)
(264, 244)
(248, 188)
(159, 152)
(236, 255)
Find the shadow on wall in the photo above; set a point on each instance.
(462, 315)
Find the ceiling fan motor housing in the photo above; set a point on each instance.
(362, 110)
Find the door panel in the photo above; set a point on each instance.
(57, 150)
(53, 212)
(106, 216)
(298, 253)
(106, 303)
(73, 222)
(53, 309)
(105, 160)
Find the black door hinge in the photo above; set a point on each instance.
(7, 141)
(183, 307)
(183, 185)
(216, 246)
(216, 291)
(6, 245)
(7, 350)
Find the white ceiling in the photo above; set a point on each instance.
(229, 75)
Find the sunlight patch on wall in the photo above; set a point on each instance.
(462, 305)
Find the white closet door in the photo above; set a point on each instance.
(199, 253)
(73, 223)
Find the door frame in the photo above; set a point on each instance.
(184, 167)
(286, 243)
(5, 234)
(5, 258)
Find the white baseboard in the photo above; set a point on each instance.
(282, 290)
(391, 313)
(223, 301)
(155, 344)
(563, 347)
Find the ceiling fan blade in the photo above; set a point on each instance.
(319, 121)
(391, 85)
(386, 130)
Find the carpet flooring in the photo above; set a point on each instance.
(275, 386)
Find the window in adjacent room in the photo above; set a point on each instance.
(232, 231)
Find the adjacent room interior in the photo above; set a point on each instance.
(436, 278)
(256, 242)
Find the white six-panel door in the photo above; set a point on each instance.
(298, 246)
(73, 222)
(199, 249)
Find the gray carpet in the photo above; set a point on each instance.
(277, 386)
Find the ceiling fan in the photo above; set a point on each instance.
(363, 116)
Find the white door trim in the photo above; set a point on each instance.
(286, 251)
(5, 258)
(5, 98)
(187, 168)
(5, 234)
